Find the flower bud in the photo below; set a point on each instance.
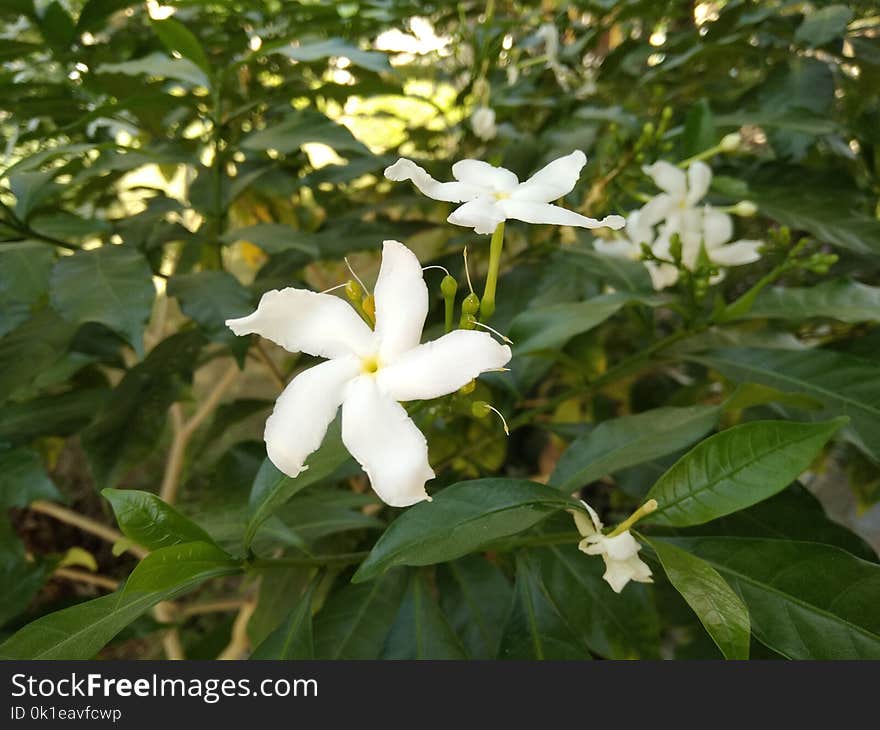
(480, 409)
(448, 287)
(467, 321)
(730, 142)
(470, 305)
(353, 291)
(745, 208)
(468, 387)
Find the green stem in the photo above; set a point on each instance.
(705, 154)
(487, 305)
(449, 312)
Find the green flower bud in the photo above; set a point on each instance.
(470, 304)
(730, 142)
(745, 208)
(353, 291)
(369, 306)
(468, 387)
(467, 321)
(480, 409)
(448, 287)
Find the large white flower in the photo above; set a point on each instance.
(367, 373)
(620, 553)
(629, 246)
(492, 195)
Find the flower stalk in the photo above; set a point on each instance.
(487, 305)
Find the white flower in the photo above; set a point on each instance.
(492, 195)
(620, 553)
(676, 210)
(367, 373)
(483, 123)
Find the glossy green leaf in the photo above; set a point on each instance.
(210, 298)
(534, 628)
(822, 25)
(272, 488)
(806, 601)
(615, 626)
(293, 639)
(146, 519)
(160, 66)
(319, 50)
(551, 326)
(629, 440)
(737, 468)
(476, 597)
(276, 238)
(844, 384)
(355, 621)
(21, 576)
(847, 301)
(461, 519)
(112, 285)
(720, 610)
(79, 632)
(420, 630)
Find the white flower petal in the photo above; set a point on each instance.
(483, 215)
(305, 321)
(483, 175)
(552, 181)
(620, 572)
(736, 253)
(668, 178)
(529, 212)
(387, 444)
(717, 228)
(304, 410)
(658, 208)
(442, 366)
(401, 301)
(699, 178)
(451, 192)
(639, 228)
(662, 275)
(621, 547)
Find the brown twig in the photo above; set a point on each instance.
(82, 576)
(86, 524)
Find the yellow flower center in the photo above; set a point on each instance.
(501, 196)
(370, 365)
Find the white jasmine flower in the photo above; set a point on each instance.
(368, 372)
(681, 192)
(492, 195)
(629, 246)
(620, 553)
(483, 123)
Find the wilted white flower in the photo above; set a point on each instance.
(620, 552)
(368, 373)
(483, 123)
(492, 195)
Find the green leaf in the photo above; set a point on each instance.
(737, 468)
(126, 430)
(615, 626)
(355, 621)
(699, 129)
(806, 601)
(146, 519)
(51, 415)
(622, 274)
(177, 37)
(823, 25)
(629, 440)
(272, 488)
(293, 639)
(720, 610)
(301, 127)
(420, 630)
(23, 479)
(210, 298)
(534, 628)
(551, 326)
(81, 631)
(461, 519)
(112, 285)
(275, 238)
(847, 301)
(24, 279)
(158, 65)
(316, 51)
(20, 576)
(325, 512)
(844, 384)
(476, 597)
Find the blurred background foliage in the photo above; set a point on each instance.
(164, 165)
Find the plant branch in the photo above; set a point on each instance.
(86, 524)
(82, 576)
